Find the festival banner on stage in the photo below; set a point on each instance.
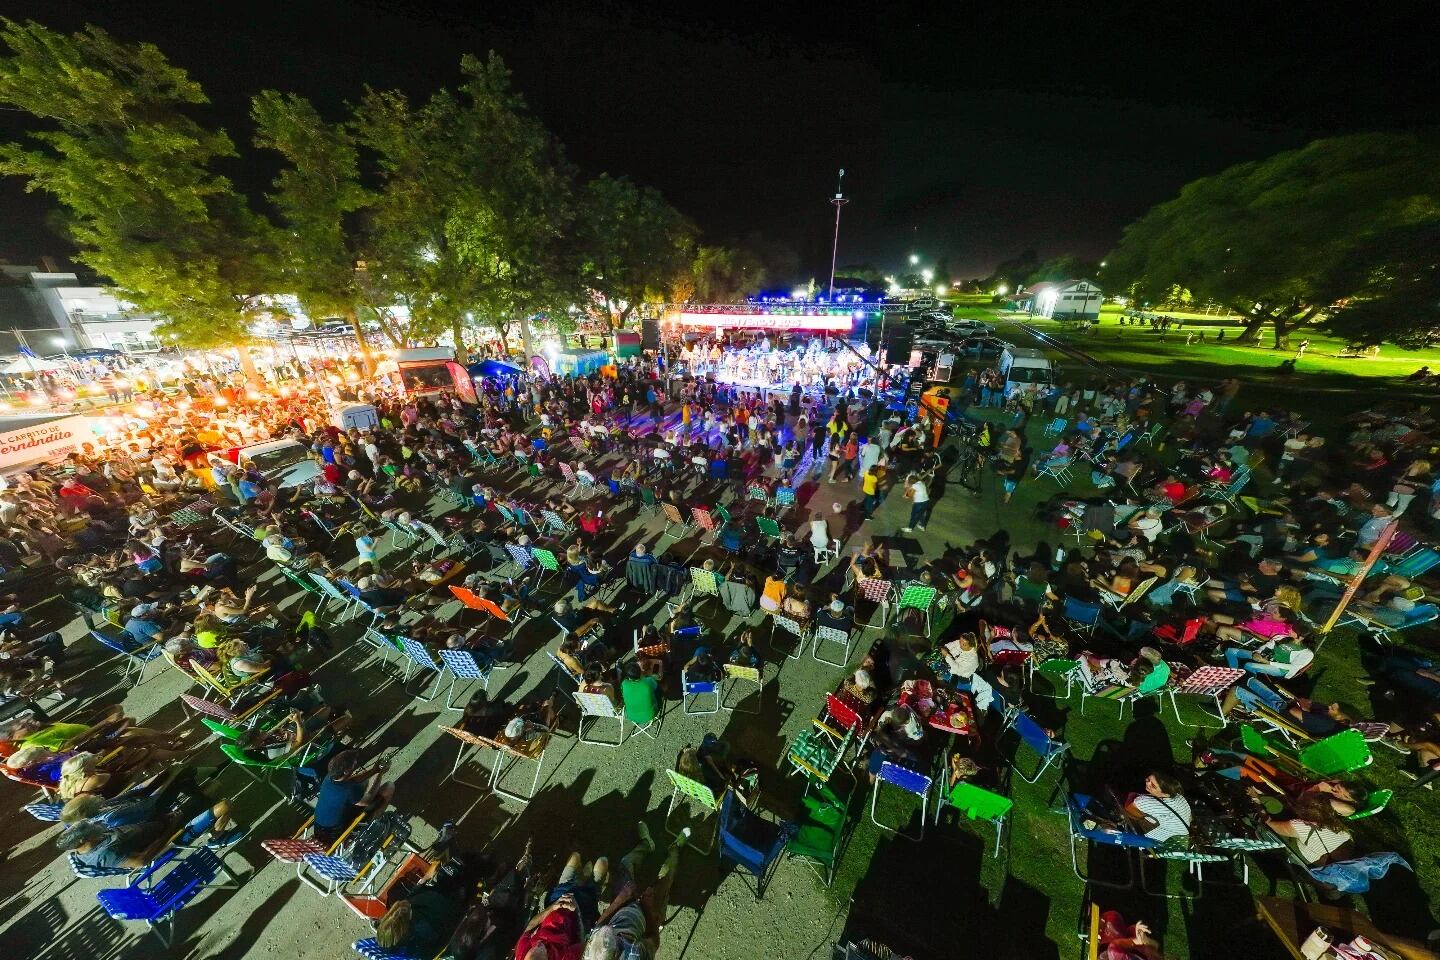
(833, 322)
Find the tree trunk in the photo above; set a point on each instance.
(1282, 333)
(526, 342)
(247, 367)
(366, 360)
(457, 333)
(1253, 325)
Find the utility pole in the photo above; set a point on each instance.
(839, 201)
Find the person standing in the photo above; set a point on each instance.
(919, 496)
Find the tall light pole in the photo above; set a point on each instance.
(839, 201)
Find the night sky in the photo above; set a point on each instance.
(969, 132)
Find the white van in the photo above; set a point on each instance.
(285, 463)
(1025, 370)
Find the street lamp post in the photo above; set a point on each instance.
(839, 201)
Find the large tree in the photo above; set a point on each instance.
(1277, 240)
(320, 198)
(134, 175)
(725, 274)
(632, 244)
(474, 206)
(1397, 294)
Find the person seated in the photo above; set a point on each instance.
(962, 656)
(860, 687)
(836, 616)
(572, 620)
(1314, 717)
(1148, 670)
(795, 605)
(494, 921)
(422, 923)
(895, 739)
(348, 789)
(1284, 657)
(131, 831)
(702, 668)
(1119, 940)
(1314, 831)
(640, 693)
(744, 654)
(595, 681)
(1161, 812)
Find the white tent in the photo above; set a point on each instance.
(23, 366)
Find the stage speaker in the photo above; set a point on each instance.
(899, 341)
(649, 335)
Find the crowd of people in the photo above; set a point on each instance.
(1203, 535)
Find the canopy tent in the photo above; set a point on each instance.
(22, 366)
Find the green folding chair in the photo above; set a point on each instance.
(691, 794)
(1057, 671)
(768, 527)
(979, 804)
(821, 833)
(1342, 753)
(548, 563)
(917, 596)
(818, 751)
(1376, 801)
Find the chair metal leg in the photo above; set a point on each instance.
(580, 731)
(455, 768)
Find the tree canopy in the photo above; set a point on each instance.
(633, 244)
(1279, 240)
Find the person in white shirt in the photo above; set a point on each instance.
(919, 497)
(819, 536)
(1161, 812)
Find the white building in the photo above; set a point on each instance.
(87, 317)
(1065, 300)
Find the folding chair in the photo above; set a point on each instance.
(879, 592)
(549, 564)
(821, 832)
(841, 638)
(692, 793)
(1057, 470)
(693, 691)
(155, 898)
(910, 782)
(674, 520)
(750, 842)
(816, 753)
(597, 706)
(357, 862)
(648, 503)
(1056, 427)
(978, 804)
(219, 682)
(1081, 614)
(1055, 670)
(917, 596)
(1421, 613)
(1207, 683)
(1119, 601)
(331, 592)
(418, 659)
(1095, 688)
(472, 744)
(737, 675)
(705, 520)
(1077, 811)
(507, 757)
(768, 528)
(555, 525)
(842, 715)
(136, 655)
(704, 583)
(462, 665)
(799, 629)
(565, 671)
(1046, 748)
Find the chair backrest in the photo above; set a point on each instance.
(978, 803)
(1343, 752)
(741, 672)
(705, 581)
(520, 555)
(563, 668)
(768, 527)
(672, 513)
(418, 654)
(596, 705)
(844, 715)
(692, 789)
(874, 589)
(1027, 589)
(206, 708)
(546, 558)
(1139, 590)
(748, 839)
(1034, 735)
(916, 596)
(462, 663)
(1209, 681)
(697, 686)
(905, 778)
(787, 624)
(1374, 802)
(328, 588)
(553, 520)
(469, 598)
(1081, 611)
(831, 634)
(703, 518)
(1421, 613)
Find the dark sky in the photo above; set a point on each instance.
(969, 131)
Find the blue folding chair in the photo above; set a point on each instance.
(136, 654)
(909, 781)
(1046, 748)
(417, 658)
(751, 842)
(370, 949)
(691, 692)
(155, 899)
(1077, 810)
(462, 665)
(1082, 614)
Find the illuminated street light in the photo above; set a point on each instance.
(1002, 290)
(894, 289)
(1102, 263)
(914, 259)
(941, 289)
(927, 275)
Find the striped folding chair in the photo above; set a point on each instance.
(549, 564)
(705, 520)
(831, 635)
(738, 676)
(800, 629)
(462, 666)
(674, 520)
(879, 592)
(597, 707)
(418, 660)
(1207, 683)
(917, 596)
